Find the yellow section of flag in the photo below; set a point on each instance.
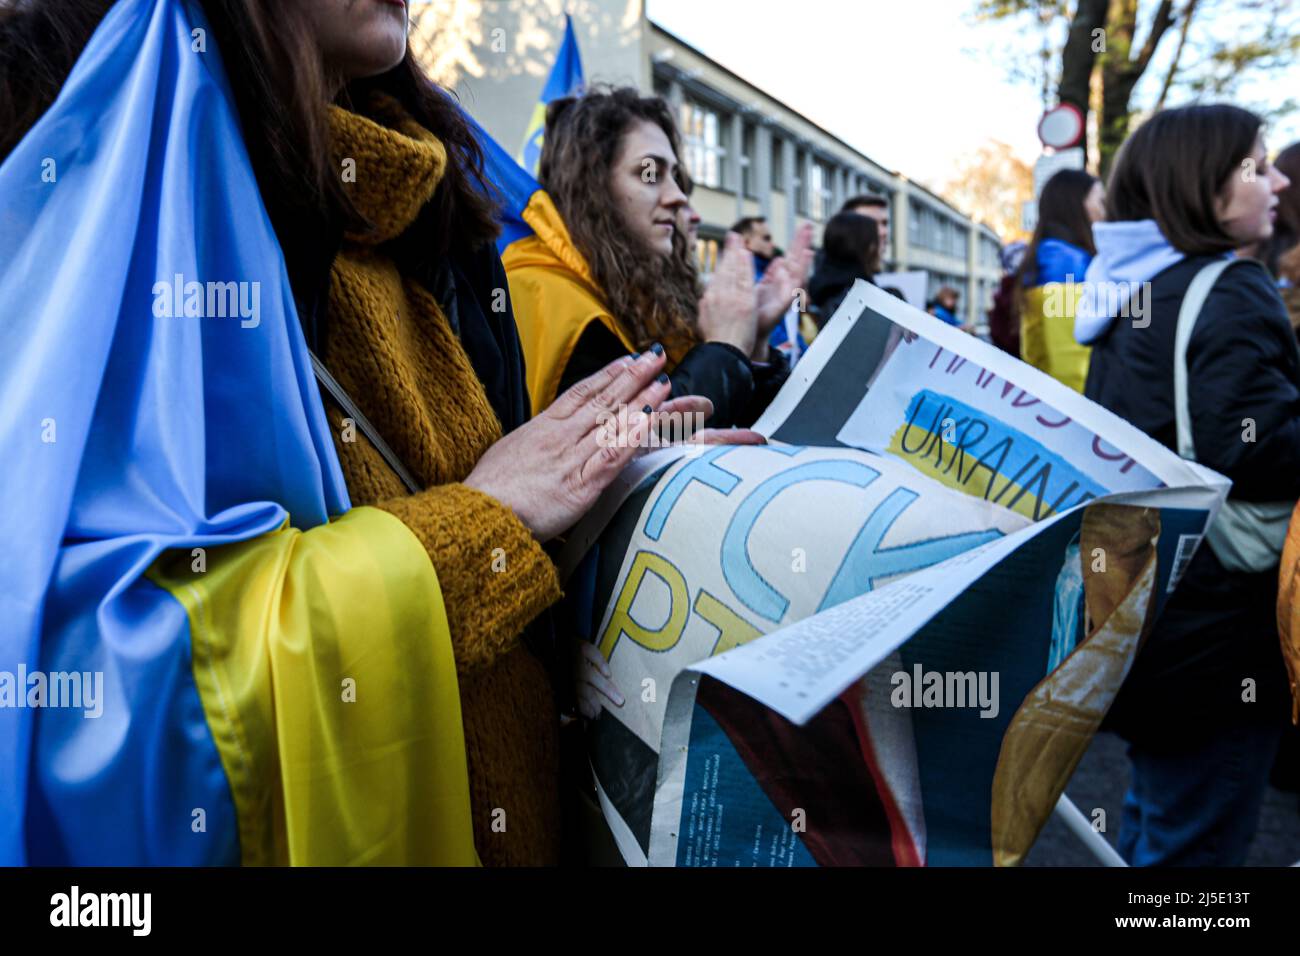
(323, 660)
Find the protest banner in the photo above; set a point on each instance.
(911, 283)
(887, 636)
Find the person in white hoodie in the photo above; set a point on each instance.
(1205, 703)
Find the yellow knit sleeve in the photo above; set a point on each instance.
(495, 577)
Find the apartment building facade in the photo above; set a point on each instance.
(748, 153)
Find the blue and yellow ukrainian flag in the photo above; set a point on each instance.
(565, 80)
(509, 184)
(269, 676)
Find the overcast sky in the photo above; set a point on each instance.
(911, 83)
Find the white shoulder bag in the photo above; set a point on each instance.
(1246, 535)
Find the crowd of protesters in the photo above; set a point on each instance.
(396, 280)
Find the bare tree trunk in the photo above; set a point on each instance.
(1120, 71)
(1080, 54)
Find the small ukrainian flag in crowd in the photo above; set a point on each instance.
(565, 80)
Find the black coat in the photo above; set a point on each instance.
(1219, 628)
(830, 283)
(464, 282)
(739, 389)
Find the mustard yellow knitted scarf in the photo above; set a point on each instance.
(390, 165)
(389, 343)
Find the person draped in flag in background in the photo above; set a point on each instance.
(297, 604)
(1050, 278)
(603, 273)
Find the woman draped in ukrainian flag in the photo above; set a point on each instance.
(1051, 275)
(307, 615)
(603, 267)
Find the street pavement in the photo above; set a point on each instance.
(1100, 781)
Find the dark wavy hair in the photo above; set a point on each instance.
(281, 93)
(653, 296)
(1174, 167)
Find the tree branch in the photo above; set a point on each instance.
(1188, 10)
(1164, 19)
(1078, 56)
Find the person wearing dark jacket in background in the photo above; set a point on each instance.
(757, 235)
(875, 208)
(1206, 700)
(850, 251)
(1004, 317)
(605, 274)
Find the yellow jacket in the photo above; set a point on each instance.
(1047, 333)
(554, 298)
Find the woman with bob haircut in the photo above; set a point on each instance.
(1203, 706)
(606, 271)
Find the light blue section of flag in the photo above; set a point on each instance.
(565, 80)
(126, 433)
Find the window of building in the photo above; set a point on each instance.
(800, 190)
(703, 144)
(990, 252)
(956, 239)
(725, 138)
(749, 161)
(706, 256)
(778, 164)
(820, 191)
(940, 279)
(932, 230)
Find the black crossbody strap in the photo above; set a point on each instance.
(350, 409)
